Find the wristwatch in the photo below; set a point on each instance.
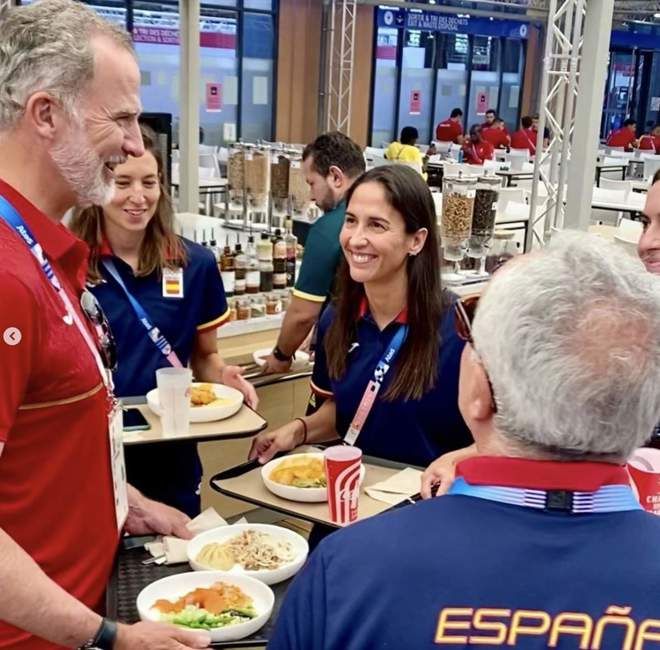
(280, 356)
(105, 637)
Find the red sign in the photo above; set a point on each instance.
(213, 97)
(415, 102)
(164, 36)
(482, 103)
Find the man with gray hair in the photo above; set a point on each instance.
(540, 541)
(69, 103)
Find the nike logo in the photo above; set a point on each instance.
(353, 347)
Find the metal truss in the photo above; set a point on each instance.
(559, 87)
(341, 50)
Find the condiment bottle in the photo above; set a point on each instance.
(227, 270)
(291, 242)
(240, 268)
(279, 261)
(252, 276)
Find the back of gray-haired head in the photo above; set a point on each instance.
(46, 47)
(570, 338)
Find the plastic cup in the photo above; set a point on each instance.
(644, 470)
(174, 396)
(342, 470)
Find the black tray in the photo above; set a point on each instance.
(131, 576)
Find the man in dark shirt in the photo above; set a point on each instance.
(540, 542)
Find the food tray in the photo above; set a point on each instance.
(244, 482)
(131, 576)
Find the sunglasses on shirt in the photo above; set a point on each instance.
(464, 311)
(106, 341)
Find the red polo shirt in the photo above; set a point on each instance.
(650, 143)
(524, 139)
(499, 138)
(475, 154)
(448, 131)
(56, 495)
(623, 137)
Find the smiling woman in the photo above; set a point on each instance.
(388, 355)
(140, 268)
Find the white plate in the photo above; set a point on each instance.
(206, 413)
(173, 587)
(306, 495)
(300, 360)
(299, 545)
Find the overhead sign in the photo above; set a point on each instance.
(396, 18)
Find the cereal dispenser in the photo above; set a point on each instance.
(483, 219)
(458, 194)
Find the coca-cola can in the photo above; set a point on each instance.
(342, 470)
(644, 470)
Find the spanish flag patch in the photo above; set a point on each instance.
(172, 283)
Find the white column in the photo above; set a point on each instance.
(588, 110)
(189, 82)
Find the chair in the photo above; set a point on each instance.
(651, 166)
(209, 161)
(511, 195)
(627, 235)
(520, 152)
(612, 184)
(443, 147)
(604, 195)
(208, 148)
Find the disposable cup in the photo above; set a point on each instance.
(342, 469)
(644, 470)
(174, 396)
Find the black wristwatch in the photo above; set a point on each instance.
(280, 356)
(104, 639)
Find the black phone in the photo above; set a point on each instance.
(134, 420)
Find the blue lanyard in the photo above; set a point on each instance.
(388, 358)
(153, 333)
(609, 498)
(374, 386)
(11, 216)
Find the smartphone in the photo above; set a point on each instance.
(134, 420)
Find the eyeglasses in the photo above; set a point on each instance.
(106, 341)
(464, 311)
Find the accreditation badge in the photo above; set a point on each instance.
(116, 432)
(173, 283)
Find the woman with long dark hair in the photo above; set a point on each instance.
(390, 333)
(136, 257)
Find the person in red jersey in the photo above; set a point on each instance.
(650, 142)
(525, 137)
(497, 134)
(451, 129)
(476, 149)
(489, 118)
(69, 103)
(625, 136)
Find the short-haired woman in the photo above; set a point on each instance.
(133, 251)
(390, 305)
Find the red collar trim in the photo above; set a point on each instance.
(55, 239)
(401, 319)
(541, 474)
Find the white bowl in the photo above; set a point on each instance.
(300, 359)
(299, 545)
(306, 495)
(208, 413)
(173, 587)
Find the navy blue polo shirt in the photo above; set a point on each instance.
(415, 432)
(169, 472)
(203, 306)
(459, 571)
